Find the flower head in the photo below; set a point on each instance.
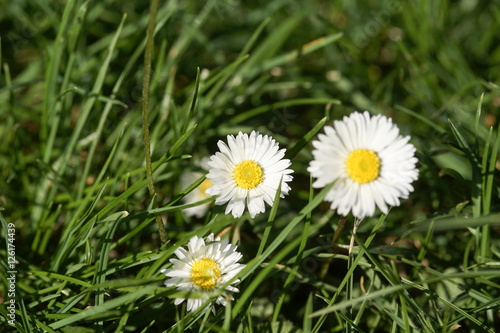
(198, 194)
(204, 267)
(372, 164)
(247, 171)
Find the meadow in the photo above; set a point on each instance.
(110, 110)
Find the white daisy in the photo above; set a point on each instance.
(204, 267)
(371, 163)
(247, 171)
(199, 193)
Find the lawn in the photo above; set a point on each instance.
(113, 117)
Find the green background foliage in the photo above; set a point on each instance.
(73, 177)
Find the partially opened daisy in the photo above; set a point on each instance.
(205, 266)
(247, 172)
(372, 164)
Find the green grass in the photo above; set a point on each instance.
(74, 178)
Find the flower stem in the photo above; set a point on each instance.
(354, 228)
(153, 9)
(336, 236)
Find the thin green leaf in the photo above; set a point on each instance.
(107, 306)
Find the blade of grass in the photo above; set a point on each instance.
(41, 195)
(25, 318)
(478, 117)
(64, 247)
(286, 231)
(298, 260)
(124, 318)
(307, 321)
(271, 44)
(186, 191)
(239, 118)
(394, 279)
(484, 172)
(297, 147)
(494, 304)
(293, 55)
(53, 60)
(153, 9)
(175, 146)
(100, 275)
(491, 173)
(19, 299)
(487, 194)
(359, 316)
(53, 69)
(85, 202)
(100, 126)
(55, 113)
(187, 35)
(62, 277)
(256, 262)
(476, 169)
(227, 314)
(9, 85)
(425, 244)
(109, 305)
(44, 232)
(392, 289)
(449, 305)
(221, 78)
(404, 312)
(322, 319)
(270, 220)
(193, 101)
(422, 118)
(257, 280)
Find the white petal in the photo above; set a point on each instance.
(360, 131)
(264, 151)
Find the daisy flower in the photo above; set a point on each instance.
(204, 267)
(372, 164)
(247, 171)
(199, 193)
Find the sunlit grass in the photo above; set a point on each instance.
(74, 174)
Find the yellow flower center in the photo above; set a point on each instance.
(248, 174)
(203, 186)
(205, 273)
(362, 165)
